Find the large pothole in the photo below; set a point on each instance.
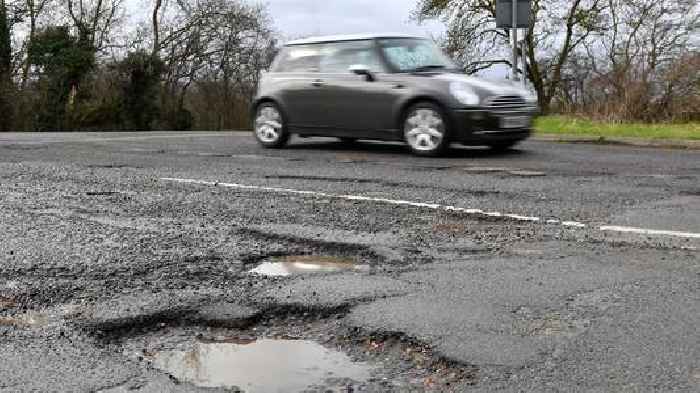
(264, 365)
(295, 353)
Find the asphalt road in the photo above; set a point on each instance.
(553, 267)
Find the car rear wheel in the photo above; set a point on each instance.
(270, 128)
(425, 129)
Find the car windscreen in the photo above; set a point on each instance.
(414, 54)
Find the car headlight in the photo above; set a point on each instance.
(464, 94)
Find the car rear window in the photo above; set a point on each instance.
(298, 58)
(337, 57)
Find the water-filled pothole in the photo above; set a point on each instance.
(29, 319)
(265, 365)
(307, 264)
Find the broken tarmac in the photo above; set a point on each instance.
(105, 266)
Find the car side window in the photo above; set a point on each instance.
(337, 57)
(298, 58)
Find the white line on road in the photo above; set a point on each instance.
(642, 231)
(436, 206)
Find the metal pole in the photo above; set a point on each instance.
(523, 48)
(515, 40)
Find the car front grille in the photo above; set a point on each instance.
(506, 102)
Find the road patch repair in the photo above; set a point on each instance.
(435, 206)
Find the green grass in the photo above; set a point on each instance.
(572, 126)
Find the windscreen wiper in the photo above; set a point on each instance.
(429, 67)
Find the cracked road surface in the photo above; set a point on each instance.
(552, 268)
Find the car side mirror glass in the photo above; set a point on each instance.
(361, 69)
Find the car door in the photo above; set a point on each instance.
(296, 78)
(354, 106)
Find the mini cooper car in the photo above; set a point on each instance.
(389, 87)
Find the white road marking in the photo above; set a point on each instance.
(642, 231)
(436, 206)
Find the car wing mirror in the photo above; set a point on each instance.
(361, 69)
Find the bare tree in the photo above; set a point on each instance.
(558, 28)
(635, 59)
(94, 19)
(155, 26)
(215, 44)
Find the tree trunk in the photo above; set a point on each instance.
(27, 62)
(5, 69)
(156, 33)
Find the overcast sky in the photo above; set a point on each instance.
(295, 18)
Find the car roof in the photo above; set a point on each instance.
(349, 37)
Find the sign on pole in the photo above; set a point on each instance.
(513, 14)
(504, 14)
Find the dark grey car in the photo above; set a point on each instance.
(385, 87)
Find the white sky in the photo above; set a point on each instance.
(298, 18)
(294, 18)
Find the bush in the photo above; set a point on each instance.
(66, 60)
(139, 75)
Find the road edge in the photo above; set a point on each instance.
(635, 142)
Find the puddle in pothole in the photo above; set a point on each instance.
(307, 264)
(265, 365)
(30, 319)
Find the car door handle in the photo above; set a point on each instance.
(318, 83)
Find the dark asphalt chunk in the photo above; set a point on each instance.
(147, 309)
(329, 292)
(225, 314)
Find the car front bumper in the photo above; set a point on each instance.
(483, 126)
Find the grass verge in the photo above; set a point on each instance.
(572, 126)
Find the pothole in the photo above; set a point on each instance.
(288, 352)
(264, 365)
(30, 319)
(7, 303)
(290, 265)
(523, 173)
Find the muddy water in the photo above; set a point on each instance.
(29, 319)
(307, 264)
(264, 365)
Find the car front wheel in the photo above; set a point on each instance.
(425, 129)
(270, 128)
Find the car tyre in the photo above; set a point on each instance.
(426, 130)
(270, 126)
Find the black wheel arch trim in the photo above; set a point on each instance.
(404, 105)
(262, 100)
